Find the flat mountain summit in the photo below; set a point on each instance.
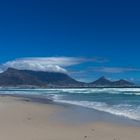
(14, 77)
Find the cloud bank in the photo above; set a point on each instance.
(50, 64)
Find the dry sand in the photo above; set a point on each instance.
(21, 120)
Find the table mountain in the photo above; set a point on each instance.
(14, 77)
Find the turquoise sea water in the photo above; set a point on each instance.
(123, 102)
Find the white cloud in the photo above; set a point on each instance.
(61, 61)
(51, 64)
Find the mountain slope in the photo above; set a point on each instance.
(122, 82)
(14, 77)
(104, 82)
(101, 82)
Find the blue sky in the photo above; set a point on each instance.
(105, 31)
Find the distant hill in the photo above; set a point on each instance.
(104, 82)
(14, 77)
(122, 82)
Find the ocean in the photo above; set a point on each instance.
(123, 102)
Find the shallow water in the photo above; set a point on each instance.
(123, 102)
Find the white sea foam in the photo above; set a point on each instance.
(129, 91)
(55, 97)
(124, 110)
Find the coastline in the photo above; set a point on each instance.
(24, 118)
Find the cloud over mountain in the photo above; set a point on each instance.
(50, 64)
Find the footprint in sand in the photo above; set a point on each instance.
(85, 137)
(28, 119)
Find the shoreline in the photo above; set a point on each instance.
(26, 119)
(76, 114)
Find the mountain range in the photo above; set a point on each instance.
(108, 83)
(14, 77)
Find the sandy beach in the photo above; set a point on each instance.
(25, 120)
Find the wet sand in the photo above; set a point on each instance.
(22, 119)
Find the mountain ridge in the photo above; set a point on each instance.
(15, 77)
(103, 81)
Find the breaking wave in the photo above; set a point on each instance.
(118, 101)
(124, 110)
